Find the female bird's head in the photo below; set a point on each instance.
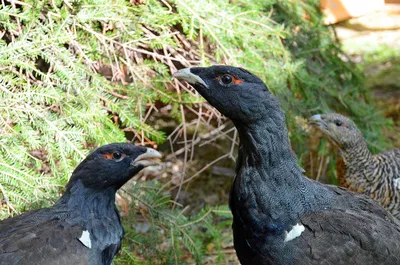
(113, 165)
(235, 92)
(340, 130)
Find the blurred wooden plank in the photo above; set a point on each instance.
(339, 10)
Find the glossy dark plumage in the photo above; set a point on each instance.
(83, 227)
(281, 217)
(377, 176)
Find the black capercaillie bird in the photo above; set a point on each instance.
(83, 227)
(280, 216)
(377, 176)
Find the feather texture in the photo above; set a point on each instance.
(270, 195)
(83, 227)
(374, 175)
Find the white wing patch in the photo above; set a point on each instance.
(295, 232)
(85, 239)
(397, 183)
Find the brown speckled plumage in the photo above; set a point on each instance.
(377, 175)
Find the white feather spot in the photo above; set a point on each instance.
(397, 183)
(85, 239)
(295, 232)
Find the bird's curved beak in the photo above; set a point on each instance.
(316, 120)
(150, 158)
(186, 75)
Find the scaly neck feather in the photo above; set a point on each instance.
(357, 154)
(270, 186)
(86, 201)
(265, 144)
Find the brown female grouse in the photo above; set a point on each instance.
(378, 175)
(280, 216)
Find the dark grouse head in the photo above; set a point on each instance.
(113, 165)
(340, 130)
(235, 92)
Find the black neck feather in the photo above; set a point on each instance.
(270, 190)
(265, 144)
(87, 201)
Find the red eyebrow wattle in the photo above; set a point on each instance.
(235, 80)
(108, 156)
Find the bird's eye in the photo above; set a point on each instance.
(226, 79)
(117, 155)
(338, 123)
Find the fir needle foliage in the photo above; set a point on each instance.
(171, 234)
(79, 74)
(54, 101)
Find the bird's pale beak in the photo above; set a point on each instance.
(150, 158)
(186, 75)
(316, 120)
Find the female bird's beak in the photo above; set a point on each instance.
(186, 75)
(150, 158)
(316, 120)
